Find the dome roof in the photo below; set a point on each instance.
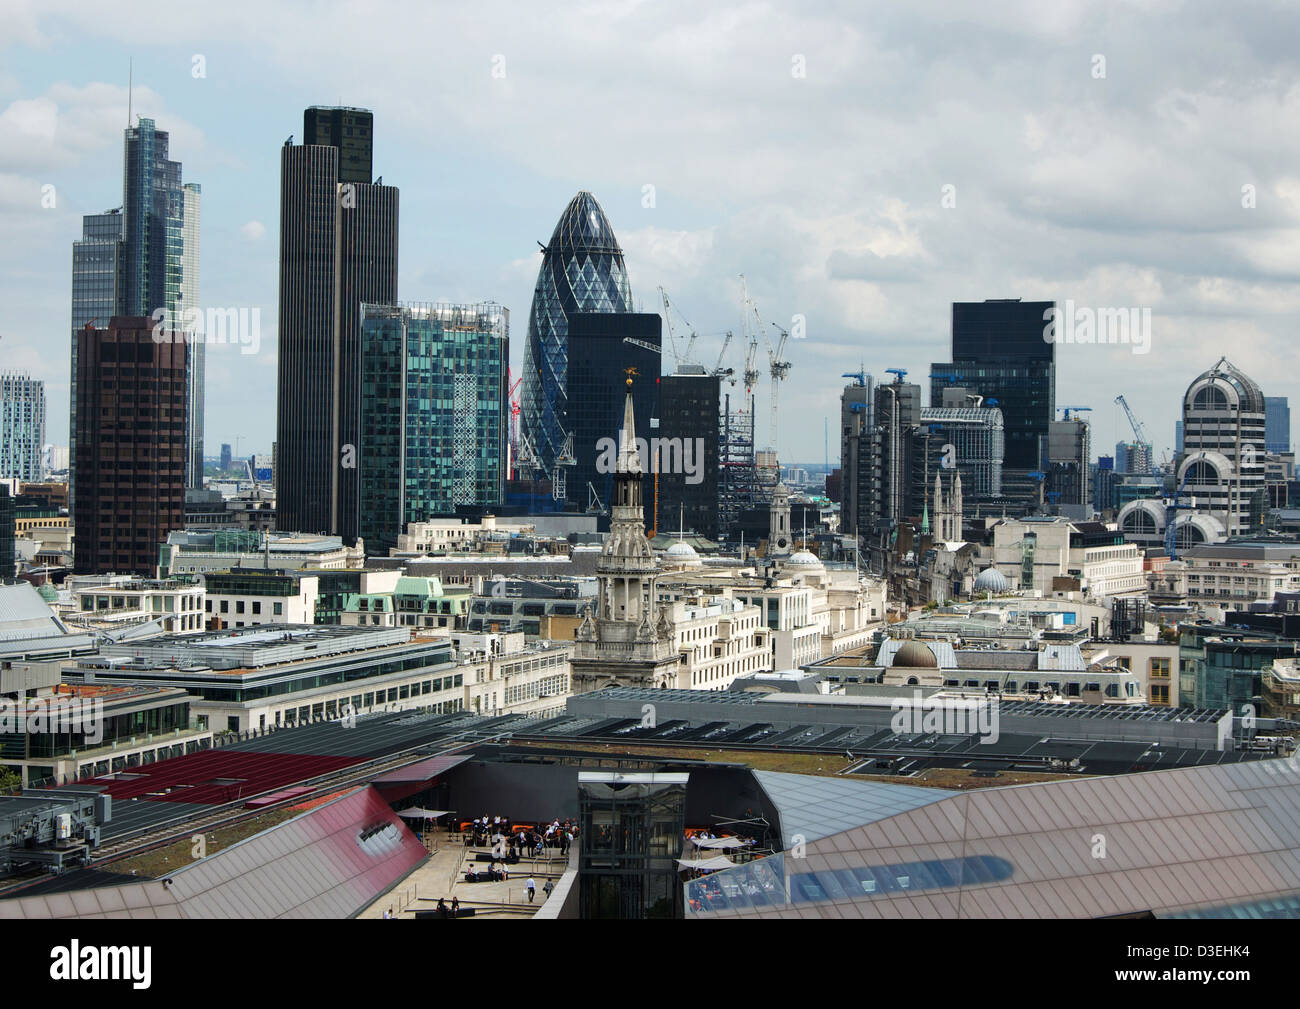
(804, 559)
(681, 550)
(1219, 387)
(48, 592)
(991, 580)
(915, 655)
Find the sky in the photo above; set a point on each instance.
(862, 165)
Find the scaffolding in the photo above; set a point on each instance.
(738, 476)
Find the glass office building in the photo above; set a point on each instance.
(582, 271)
(1277, 424)
(599, 357)
(22, 427)
(690, 407)
(96, 266)
(434, 413)
(998, 352)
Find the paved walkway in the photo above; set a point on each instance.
(443, 875)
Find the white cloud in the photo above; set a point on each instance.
(254, 231)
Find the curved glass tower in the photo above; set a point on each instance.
(582, 271)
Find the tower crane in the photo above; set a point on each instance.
(564, 458)
(1139, 433)
(779, 368)
(678, 356)
(750, 373)
(512, 397)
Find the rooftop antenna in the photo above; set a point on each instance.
(130, 84)
(681, 522)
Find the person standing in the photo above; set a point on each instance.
(532, 889)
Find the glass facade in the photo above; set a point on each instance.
(998, 351)
(433, 413)
(7, 551)
(1220, 668)
(631, 837)
(1277, 424)
(97, 262)
(690, 409)
(582, 271)
(22, 427)
(597, 390)
(192, 195)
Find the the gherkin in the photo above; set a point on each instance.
(582, 271)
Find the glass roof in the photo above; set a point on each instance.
(816, 807)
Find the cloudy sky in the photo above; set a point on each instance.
(862, 168)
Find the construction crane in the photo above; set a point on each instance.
(512, 397)
(719, 371)
(901, 373)
(1076, 409)
(529, 461)
(644, 345)
(860, 375)
(563, 459)
(778, 368)
(1139, 433)
(947, 378)
(678, 356)
(751, 372)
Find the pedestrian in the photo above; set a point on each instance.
(532, 888)
(548, 887)
(442, 907)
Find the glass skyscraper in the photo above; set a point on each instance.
(22, 427)
(189, 300)
(582, 271)
(96, 280)
(139, 258)
(434, 414)
(998, 351)
(1277, 424)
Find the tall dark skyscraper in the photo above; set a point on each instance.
(998, 352)
(130, 448)
(352, 131)
(598, 358)
(690, 408)
(582, 271)
(338, 250)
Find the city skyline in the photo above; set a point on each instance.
(1097, 209)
